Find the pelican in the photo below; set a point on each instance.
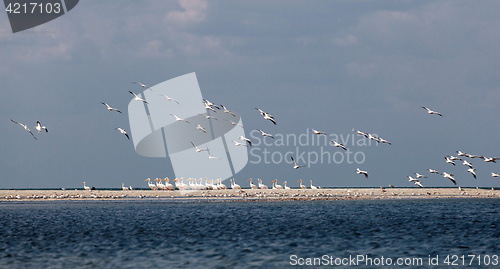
(197, 149)
(448, 160)
(459, 153)
(110, 108)
(370, 136)
(227, 110)
(199, 127)
(381, 140)
(235, 123)
(338, 145)
(124, 188)
(471, 171)
(210, 155)
(25, 128)
(302, 186)
(152, 186)
(433, 171)
(418, 183)
(160, 185)
(453, 158)
(86, 187)
(495, 175)
(316, 132)
(269, 117)
(235, 186)
(419, 175)
(130, 187)
(236, 143)
(285, 186)
(137, 98)
(209, 107)
(210, 104)
(472, 156)
(489, 160)
(265, 134)
(295, 166)
(467, 163)
(412, 179)
(261, 185)
(208, 117)
(313, 187)
(168, 185)
(450, 177)
(263, 113)
(362, 133)
(39, 127)
(142, 85)
(253, 186)
(179, 119)
(246, 139)
(123, 132)
(432, 112)
(358, 171)
(170, 99)
(276, 185)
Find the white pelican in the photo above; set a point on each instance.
(208, 117)
(285, 186)
(467, 163)
(495, 175)
(124, 188)
(432, 112)
(419, 175)
(235, 123)
(381, 140)
(488, 160)
(168, 185)
(448, 160)
(142, 85)
(197, 149)
(152, 186)
(160, 185)
(471, 171)
(362, 133)
(276, 185)
(472, 156)
(220, 185)
(418, 183)
(370, 136)
(358, 171)
(123, 132)
(412, 179)
(450, 177)
(25, 128)
(265, 134)
(210, 104)
(316, 132)
(433, 171)
(209, 107)
(336, 144)
(268, 117)
(236, 143)
(110, 108)
(235, 186)
(199, 127)
(179, 119)
(86, 187)
(261, 185)
(302, 186)
(137, 98)
(246, 139)
(170, 99)
(453, 158)
(130, 187)
(227, 110)
(295, 166)
(263, 113)
(313, 187)
(459, 153)
(253, 186)
(210, 155)
(39, 127)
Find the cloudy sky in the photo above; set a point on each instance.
(334, 66)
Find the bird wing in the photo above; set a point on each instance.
(32, 135)
(127, 136)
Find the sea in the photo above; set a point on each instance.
(177, 233)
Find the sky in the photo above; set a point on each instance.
(334, 66)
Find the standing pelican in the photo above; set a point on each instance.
(124, 188)
(235, 186)
(86, 187)
(262, 185)
(313, 187)
(302, 186)
(285, 186)
(25, 128)
(253, 186)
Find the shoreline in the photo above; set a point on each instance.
(251, 194)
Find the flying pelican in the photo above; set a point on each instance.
(338, 145)
(179, 119)
(419, 175)
(313, 187)
(418, 183)
(433, 171)
(246, 139)
(123, 132)
(295, 166)
(124, 188)
(25, 128)
(370, 136)
(236, 143)
(142, 85)
(197, 149)
(227, 110)
(235, 123)
(459, 153)
(208, 117)
(170, 99)
(253, 186)
(432, 112)
(448, 160)
(285, 186)
(472, 156)
(302, 186)
(137, 98)
(495, 175)
(471, 171)
(453, 158)
(110, 108)
(199, 127)
(362, 133)
(209, 107)
(269, 117)
(86, 187)
(210, 103)
(450, 177)
(358, 171)
(489, 160)
(235, 186)
(39, 127)
(210, 155)
(412, 179)
(467, 163)
(381, 140)
(265, 134)
(263, 113)
(316, 132)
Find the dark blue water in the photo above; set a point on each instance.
(172, 234)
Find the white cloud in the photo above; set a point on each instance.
(347, 41)
(194, 11)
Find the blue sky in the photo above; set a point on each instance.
(334, 66)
